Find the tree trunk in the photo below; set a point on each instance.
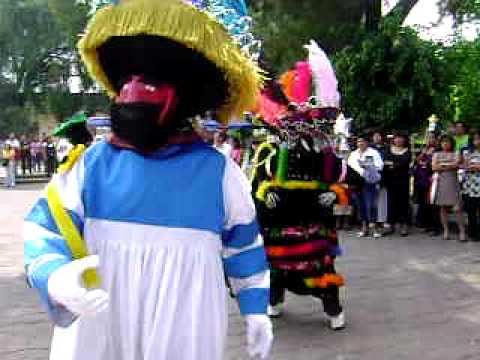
(373, 14)
(402, 10)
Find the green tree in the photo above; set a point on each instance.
(38, 58)
(29, 43)
(285, 25)
(465, 91)
(462, 10)
(394, 79)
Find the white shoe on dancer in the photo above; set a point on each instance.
(275, 310)
(338, 322)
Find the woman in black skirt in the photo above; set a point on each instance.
(397, 180)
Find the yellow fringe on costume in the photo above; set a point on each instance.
(184, 23)
(288, 185)
(72, 158)
(256, 159)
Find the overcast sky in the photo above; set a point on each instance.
(426, 15)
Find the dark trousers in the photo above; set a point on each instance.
(428, 215)
(51, 165)
(281, 281)
(472, 206)
(367, 203)
(399, 203)
(26, 164)
(37, 161)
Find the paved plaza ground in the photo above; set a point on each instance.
(415, 298)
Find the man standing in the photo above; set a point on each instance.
(462, 138)
(51, 156)
(14, 144)
(36, 154)
(8, 158)
(25, 155)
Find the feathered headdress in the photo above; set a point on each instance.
(325, 80)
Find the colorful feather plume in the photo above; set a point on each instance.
(325, 80)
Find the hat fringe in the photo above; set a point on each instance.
(183, 23)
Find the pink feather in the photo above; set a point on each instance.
(302, 85)
(324, 78)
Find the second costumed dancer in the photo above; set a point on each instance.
(296, 187)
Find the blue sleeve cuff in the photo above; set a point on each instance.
(39, 280)
(253, 301)
(241, 235)
(246, 263)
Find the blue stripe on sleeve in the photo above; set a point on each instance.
(39, 280)
(41, 215)
(246, 264)
(34, 248)
(253, 301)
(241, 235)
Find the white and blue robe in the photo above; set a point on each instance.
(166, 227)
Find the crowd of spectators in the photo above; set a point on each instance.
(27, 156)
(402, 186)
(426, 187)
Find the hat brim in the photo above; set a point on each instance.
(182, 23)
(74, 121)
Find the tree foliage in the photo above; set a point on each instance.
(462, 10)
(394, 79)
(285, 25)
(389, 77)
(38, 58)
(464, 57)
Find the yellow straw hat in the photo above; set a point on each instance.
(186, 24)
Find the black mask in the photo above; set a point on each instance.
(137, 124)
(79, 134)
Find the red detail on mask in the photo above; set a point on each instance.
(137, 91)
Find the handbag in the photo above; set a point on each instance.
(434, 188)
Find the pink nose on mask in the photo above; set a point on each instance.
(137, 91)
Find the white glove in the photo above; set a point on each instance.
(259, 335)
(65, 286)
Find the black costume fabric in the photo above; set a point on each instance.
(297, 220)
(397, 181)
(79, 134)
(155, 57)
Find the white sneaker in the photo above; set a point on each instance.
(377, 235)
(275, 311)
(338, 322)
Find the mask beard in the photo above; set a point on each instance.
(137, 124)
